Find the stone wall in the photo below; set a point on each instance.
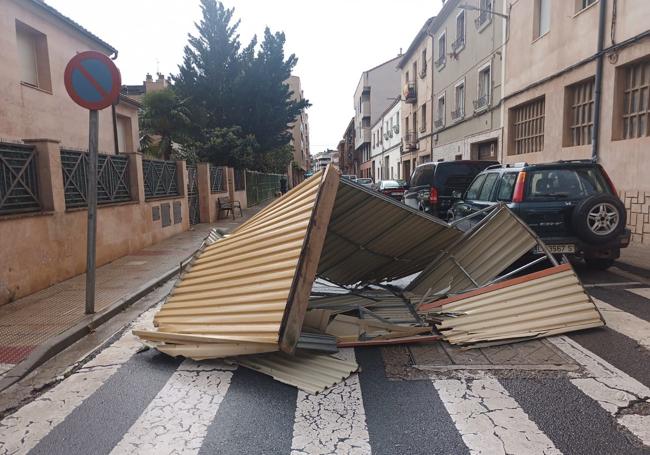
(637, 204)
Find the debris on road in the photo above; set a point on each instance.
(333, 264)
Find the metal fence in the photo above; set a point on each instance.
(193, 194)
(112, 178)
(261, 187)
(240, 179)
(18, 179)
(217, 179)
(160, 179)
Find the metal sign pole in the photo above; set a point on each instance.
(91, 198)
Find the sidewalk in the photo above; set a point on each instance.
(635, 259)
(36, 327)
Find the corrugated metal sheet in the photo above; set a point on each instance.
(372, 238)
(484, 252)
(317, 342)
(312, 373)
(536, 305)
(239, 286)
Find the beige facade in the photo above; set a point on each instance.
(550, 91)
(36, 43)
(299, 137)
(467, 82)
(416, 107)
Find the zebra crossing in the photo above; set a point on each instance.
(125, 401)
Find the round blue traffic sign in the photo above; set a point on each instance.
(92, 80)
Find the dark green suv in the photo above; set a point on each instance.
(572, 205)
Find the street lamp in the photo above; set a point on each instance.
(482, 10)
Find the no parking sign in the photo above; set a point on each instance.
(92, 81)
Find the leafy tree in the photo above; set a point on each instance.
(227, 147)
(164, 120)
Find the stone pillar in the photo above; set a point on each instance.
(136, 176)
(50, 175)
(230, 173)
(181, 181)
(205, 208)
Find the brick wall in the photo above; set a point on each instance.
(637, 204)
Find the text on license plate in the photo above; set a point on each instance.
(556, 249)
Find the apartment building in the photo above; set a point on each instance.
(467, 80)
(149, 85)
(555, 73)
(36, 43)
(386, 144)
(348, 160)
(416, 106)
(299, 137)
(375, 92)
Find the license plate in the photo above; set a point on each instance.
(556, 249)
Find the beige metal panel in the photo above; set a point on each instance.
(484, 253)
(372, 238)
(540, 304)
(233, 296)
(312, 373)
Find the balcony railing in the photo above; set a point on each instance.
(458, 44)
(438, 123)
(483, 18)
(457, 114)
(482, 102)
(410, 141)
(410, 94)
(441, 61)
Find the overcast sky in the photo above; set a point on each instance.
(334, 40)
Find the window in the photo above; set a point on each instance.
(486, 190)
(423, 64)
(484, 86)
(580, 115)
(568, 183)
(442, 51)
(475, 187)
(440, 118)
(507, 186)
(33, 57)
(459, 99)
(527, 127)
(124, 134)
(423, 118)
(459, 44)
(542, 18)
(582, 4)
(636, 98)
(484, 16)
(415, 121)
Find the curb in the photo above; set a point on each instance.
(59, 342)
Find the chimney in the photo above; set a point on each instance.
(149, 78)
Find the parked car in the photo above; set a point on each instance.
(391, 188)
(349, 177)
(365, 182)
(572, 205)
(432, 184)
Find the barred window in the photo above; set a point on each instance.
(581, 116)
(527, 123)
(636, 97)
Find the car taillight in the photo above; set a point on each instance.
(609, 181)
(518, 195)
(433, 195)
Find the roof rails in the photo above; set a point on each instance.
(574, 161)
(493, 166)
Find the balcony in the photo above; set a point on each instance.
(483, 19)
(457, 114)
(481, 103)
(410, 94)
(459, 44)
(440, 63)
(410, 141)
(438, 123)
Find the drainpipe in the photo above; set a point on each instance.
(595, 134)
(116, 143)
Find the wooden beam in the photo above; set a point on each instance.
(303, 281)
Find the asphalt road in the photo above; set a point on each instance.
(128, 401)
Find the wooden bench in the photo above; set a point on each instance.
(225, 204)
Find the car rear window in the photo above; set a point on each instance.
(423, 175)
(456, 176)
(487, 187)
(507, 186)
(574, 183)
(391, 184)
(472, 192)
(364, 180)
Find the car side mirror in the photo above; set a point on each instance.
(456, 194)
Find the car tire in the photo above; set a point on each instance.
(599, 263)
(599, 218)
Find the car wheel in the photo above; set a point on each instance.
(599, 263)
(599, 218)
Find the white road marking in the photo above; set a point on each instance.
(489, 420)
(625, 323)
(22, 430)
(333, 421)
(177, 419)
(609, 386)
(643, 292)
